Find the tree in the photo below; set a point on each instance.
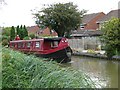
(60, 17)
(12, 33)
(21, 32)
(25, 31)
(2, 3)
(6, 35)
(6, 31)
(111, 36)
(18, 30)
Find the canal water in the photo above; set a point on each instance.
(103, 72)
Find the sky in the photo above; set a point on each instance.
(17, 12)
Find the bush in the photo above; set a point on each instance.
(110, 51)
(22, 71)
(32, 35)
(26, 38)
(5, 42)
(6, 31)
(111, 36)
(5, 37)
(91, 51)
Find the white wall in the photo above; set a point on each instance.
(84, 43)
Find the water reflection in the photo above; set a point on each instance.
(103, 72)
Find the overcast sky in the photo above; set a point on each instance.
(18, 12)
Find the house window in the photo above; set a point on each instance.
(37, 44)
(28, 44)
(82, 27)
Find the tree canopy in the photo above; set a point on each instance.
(111, 36)
(6, 31)
(2, 2)
(12, 33)
(60, 17)
(22, 31)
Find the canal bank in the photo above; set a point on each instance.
(95, 55)
(89, 46)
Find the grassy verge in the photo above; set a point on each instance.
(22, 71)
(0, 66)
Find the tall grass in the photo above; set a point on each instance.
(22, 71)
(0, 67)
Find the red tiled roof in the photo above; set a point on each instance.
(47, 32)
(89, 21)
(112, 13)
(88, 17)
(38, 31)
(33, 29)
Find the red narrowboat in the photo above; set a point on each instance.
(53, 48)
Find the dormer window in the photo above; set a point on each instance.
(82, 26)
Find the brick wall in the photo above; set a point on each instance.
(92, 25)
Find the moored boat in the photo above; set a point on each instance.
(54, 48)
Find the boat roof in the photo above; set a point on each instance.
(46, 39)
(50, 39)
(27, 40)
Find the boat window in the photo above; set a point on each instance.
(20, 45)
(28, 44)
(54, 44)
(12, 45)
(37, 44)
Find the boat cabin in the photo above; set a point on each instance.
(45, 47)
(41, 44)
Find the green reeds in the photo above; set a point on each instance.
(22, 71)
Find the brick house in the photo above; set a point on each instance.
(41, 32)
(89, 26)
(47, 32)
(33, 30)
(89, 21)
(90, 29)
(88, 32)
(111, 14)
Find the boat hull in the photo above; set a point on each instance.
(61, 56)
